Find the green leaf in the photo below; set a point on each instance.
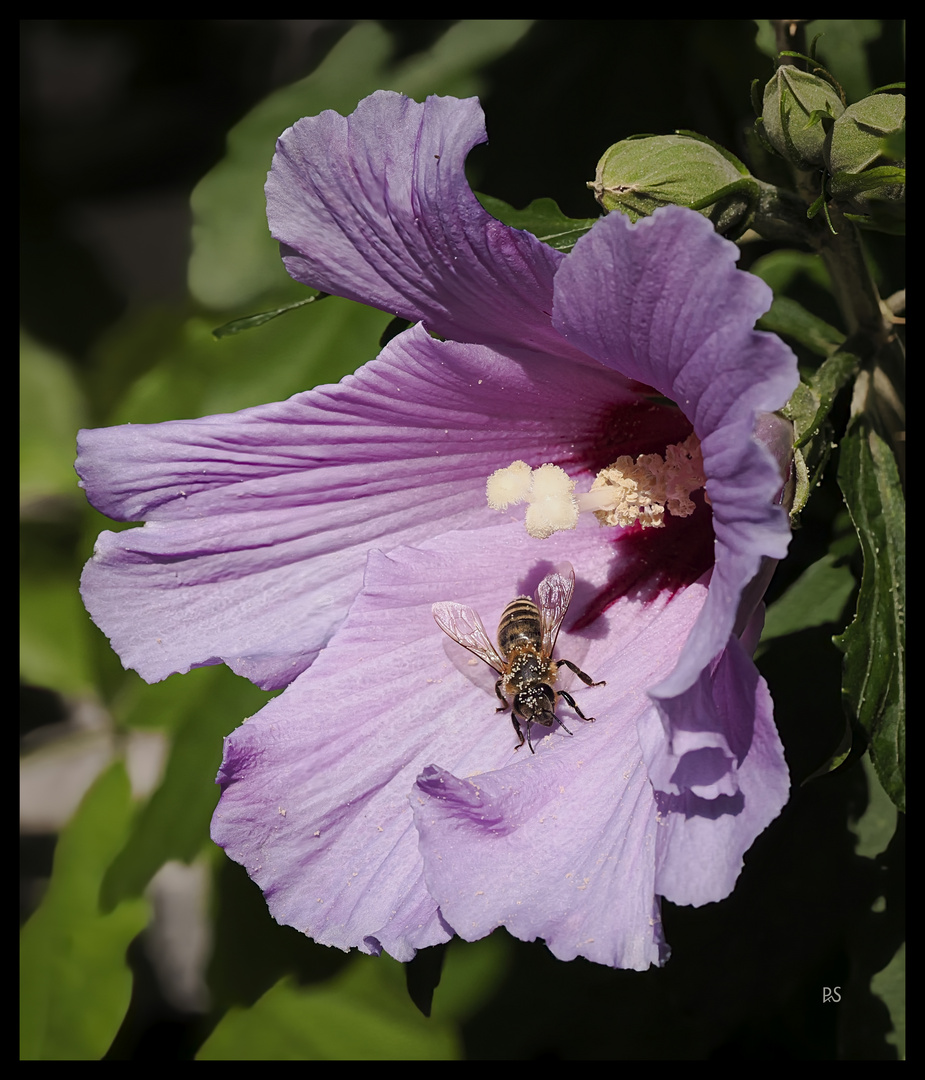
(875, 830)
(830, 378)
(780, 269)
(363, 1014)
(786, 316)
(54, 641)
(889, 985)
(817, 597)
(166, 363)
(873, 685)
(472, 973)
(75, 984)
(201, 707)
(876, 827)
(543, 218)
(51, 409)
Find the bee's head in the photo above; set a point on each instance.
(537, 704)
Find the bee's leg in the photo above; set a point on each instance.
(503, 700)
(520, 734)
(586, 679)
(568, 697)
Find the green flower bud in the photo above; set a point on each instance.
(799, 109)
(857, 135)
(639, 175)
(866, 181)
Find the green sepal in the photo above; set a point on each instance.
(875, 199)
(877, 224)
(830, 377)
(818, 71)
(809, 410)
(848, 184)
(858, 135)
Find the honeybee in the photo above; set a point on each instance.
(526, 639)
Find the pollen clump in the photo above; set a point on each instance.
(507, 487)
(547, 491)
(642, 490)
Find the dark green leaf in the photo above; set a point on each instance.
(164, 363)
(817, 597)
(874, 644)
(787, 317)
(780, 269)
(809, 409)
(543, 218)
(876, 827)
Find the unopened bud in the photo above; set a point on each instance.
(637, 176)
(858, 134)
(798, 112)
(868, 183)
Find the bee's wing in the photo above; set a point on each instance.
(553, 595)
(462, 624)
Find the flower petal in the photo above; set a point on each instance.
(539, 852)
(376, 207)
(316, 786)
(259, 522)
(720, 780)
(679, 317)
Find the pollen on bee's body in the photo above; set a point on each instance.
(623, 493)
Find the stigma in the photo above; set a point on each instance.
(643, 489)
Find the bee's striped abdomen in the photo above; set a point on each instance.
(520, 625)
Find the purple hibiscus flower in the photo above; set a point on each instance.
(379, 802)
